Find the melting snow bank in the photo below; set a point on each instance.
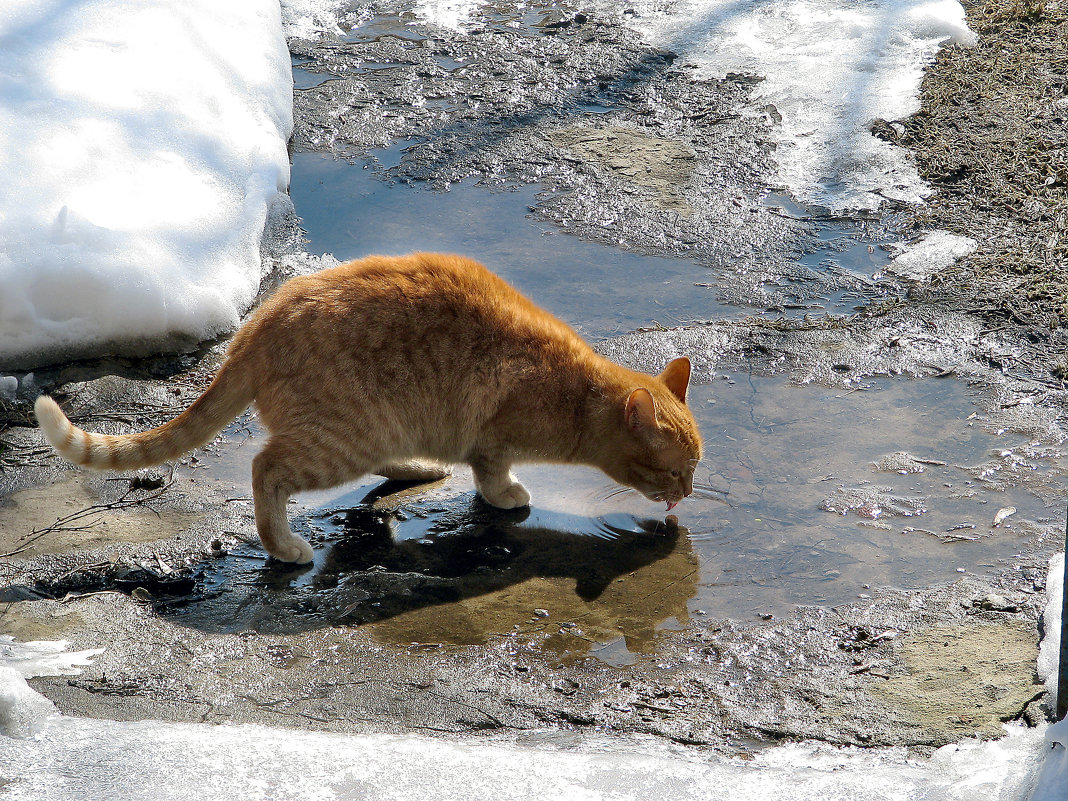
(830, 68)
(142, 146)
(22, 711)
(1052, 782)
(47, 755)
(1049, 648)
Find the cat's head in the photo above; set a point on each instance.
(658, 445)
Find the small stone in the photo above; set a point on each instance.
(1002, 514)
(998, 603)
(541, 612)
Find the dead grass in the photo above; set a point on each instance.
(992, 139)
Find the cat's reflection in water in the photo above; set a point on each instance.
(464, 573)
(480, 572)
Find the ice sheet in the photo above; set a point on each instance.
(934, 251)
(24, 712)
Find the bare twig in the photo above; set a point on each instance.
(89, 517)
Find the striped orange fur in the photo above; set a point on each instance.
(401, 366)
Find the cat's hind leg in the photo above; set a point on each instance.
(413, 470)
(284, 467)
(497, 485)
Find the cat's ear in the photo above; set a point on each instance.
(676, 376)
(641, 412)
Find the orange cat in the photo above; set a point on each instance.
(372, 365)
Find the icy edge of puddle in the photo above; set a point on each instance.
(24, 712)
(174, 755)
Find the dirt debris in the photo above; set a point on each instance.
(992, 140)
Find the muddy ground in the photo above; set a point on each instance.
(514, 630)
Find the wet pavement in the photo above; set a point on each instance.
(843, 530)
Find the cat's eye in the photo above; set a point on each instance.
(676, 474)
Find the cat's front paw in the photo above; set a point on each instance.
(512, 496)
(294, 550)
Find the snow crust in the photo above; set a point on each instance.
(830, 67)
(309, 19)
(72, 758)
(934, 251)
(1049, 648)
(142, 145)
(1052, 781)
(22, 711)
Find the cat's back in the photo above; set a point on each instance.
(445, 293)
(417, 318)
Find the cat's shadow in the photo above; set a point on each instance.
(373, 565)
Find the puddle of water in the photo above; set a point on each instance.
(308, 79)
(816, 512)
(303, 79)
(349, 212)
(805, 498)
(383, 26)
(844, 247)
(852, 249)
(66, 516)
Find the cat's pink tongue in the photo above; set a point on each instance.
(672, 505)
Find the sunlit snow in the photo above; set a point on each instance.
(829, 68)
(141, 145)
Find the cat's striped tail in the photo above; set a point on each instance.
(226, 398)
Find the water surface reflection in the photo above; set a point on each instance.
(810, 496)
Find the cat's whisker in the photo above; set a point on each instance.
(619, 491)
(706, 495)
(705, 487)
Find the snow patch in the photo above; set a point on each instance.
(24, 712)
(830, 68)
(935, 251)
(73, 758)
(141, 145)
(1053, 776)
(1049, 648)
(310, 19)
(453, 15)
